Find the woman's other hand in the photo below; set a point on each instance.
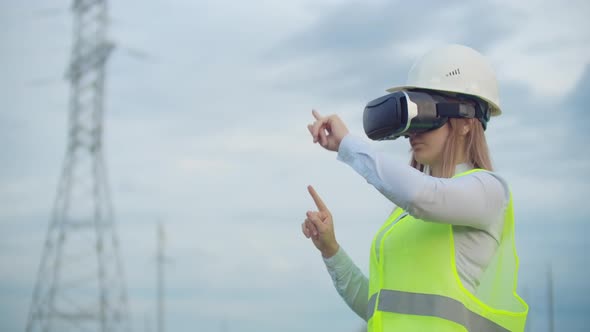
(327, 130)
(319, 227)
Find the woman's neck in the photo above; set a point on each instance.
(436, 169)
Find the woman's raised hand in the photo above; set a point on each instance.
(319, 227)
(327, 130)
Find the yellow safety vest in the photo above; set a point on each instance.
(414, 285)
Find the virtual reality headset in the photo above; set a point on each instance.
(414, 111)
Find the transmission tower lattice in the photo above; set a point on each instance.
(80, 284)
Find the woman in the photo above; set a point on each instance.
(445, 258)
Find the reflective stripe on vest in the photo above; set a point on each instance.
(431, 305)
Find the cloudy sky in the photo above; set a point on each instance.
(205, 131)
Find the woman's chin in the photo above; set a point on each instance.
(421, 158)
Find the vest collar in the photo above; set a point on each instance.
(463, 167)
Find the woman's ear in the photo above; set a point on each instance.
(466, 126)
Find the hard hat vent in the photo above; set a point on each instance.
(454, 72)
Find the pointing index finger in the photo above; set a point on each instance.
(316, 198)
(316, 114)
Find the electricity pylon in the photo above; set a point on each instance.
(80, 284)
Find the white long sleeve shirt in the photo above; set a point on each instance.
(474, 204)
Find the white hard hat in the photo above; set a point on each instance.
(458, 69)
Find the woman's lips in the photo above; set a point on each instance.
(415, 143)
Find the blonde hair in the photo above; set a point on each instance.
(476, 148)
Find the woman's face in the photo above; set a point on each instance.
(428, 146)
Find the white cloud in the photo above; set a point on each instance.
(543, 51)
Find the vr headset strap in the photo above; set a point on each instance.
(460, 110)
(455, 110)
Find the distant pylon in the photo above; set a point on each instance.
(80, 284)
(161, 259)
(550, 305)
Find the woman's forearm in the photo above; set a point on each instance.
(349, 281)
